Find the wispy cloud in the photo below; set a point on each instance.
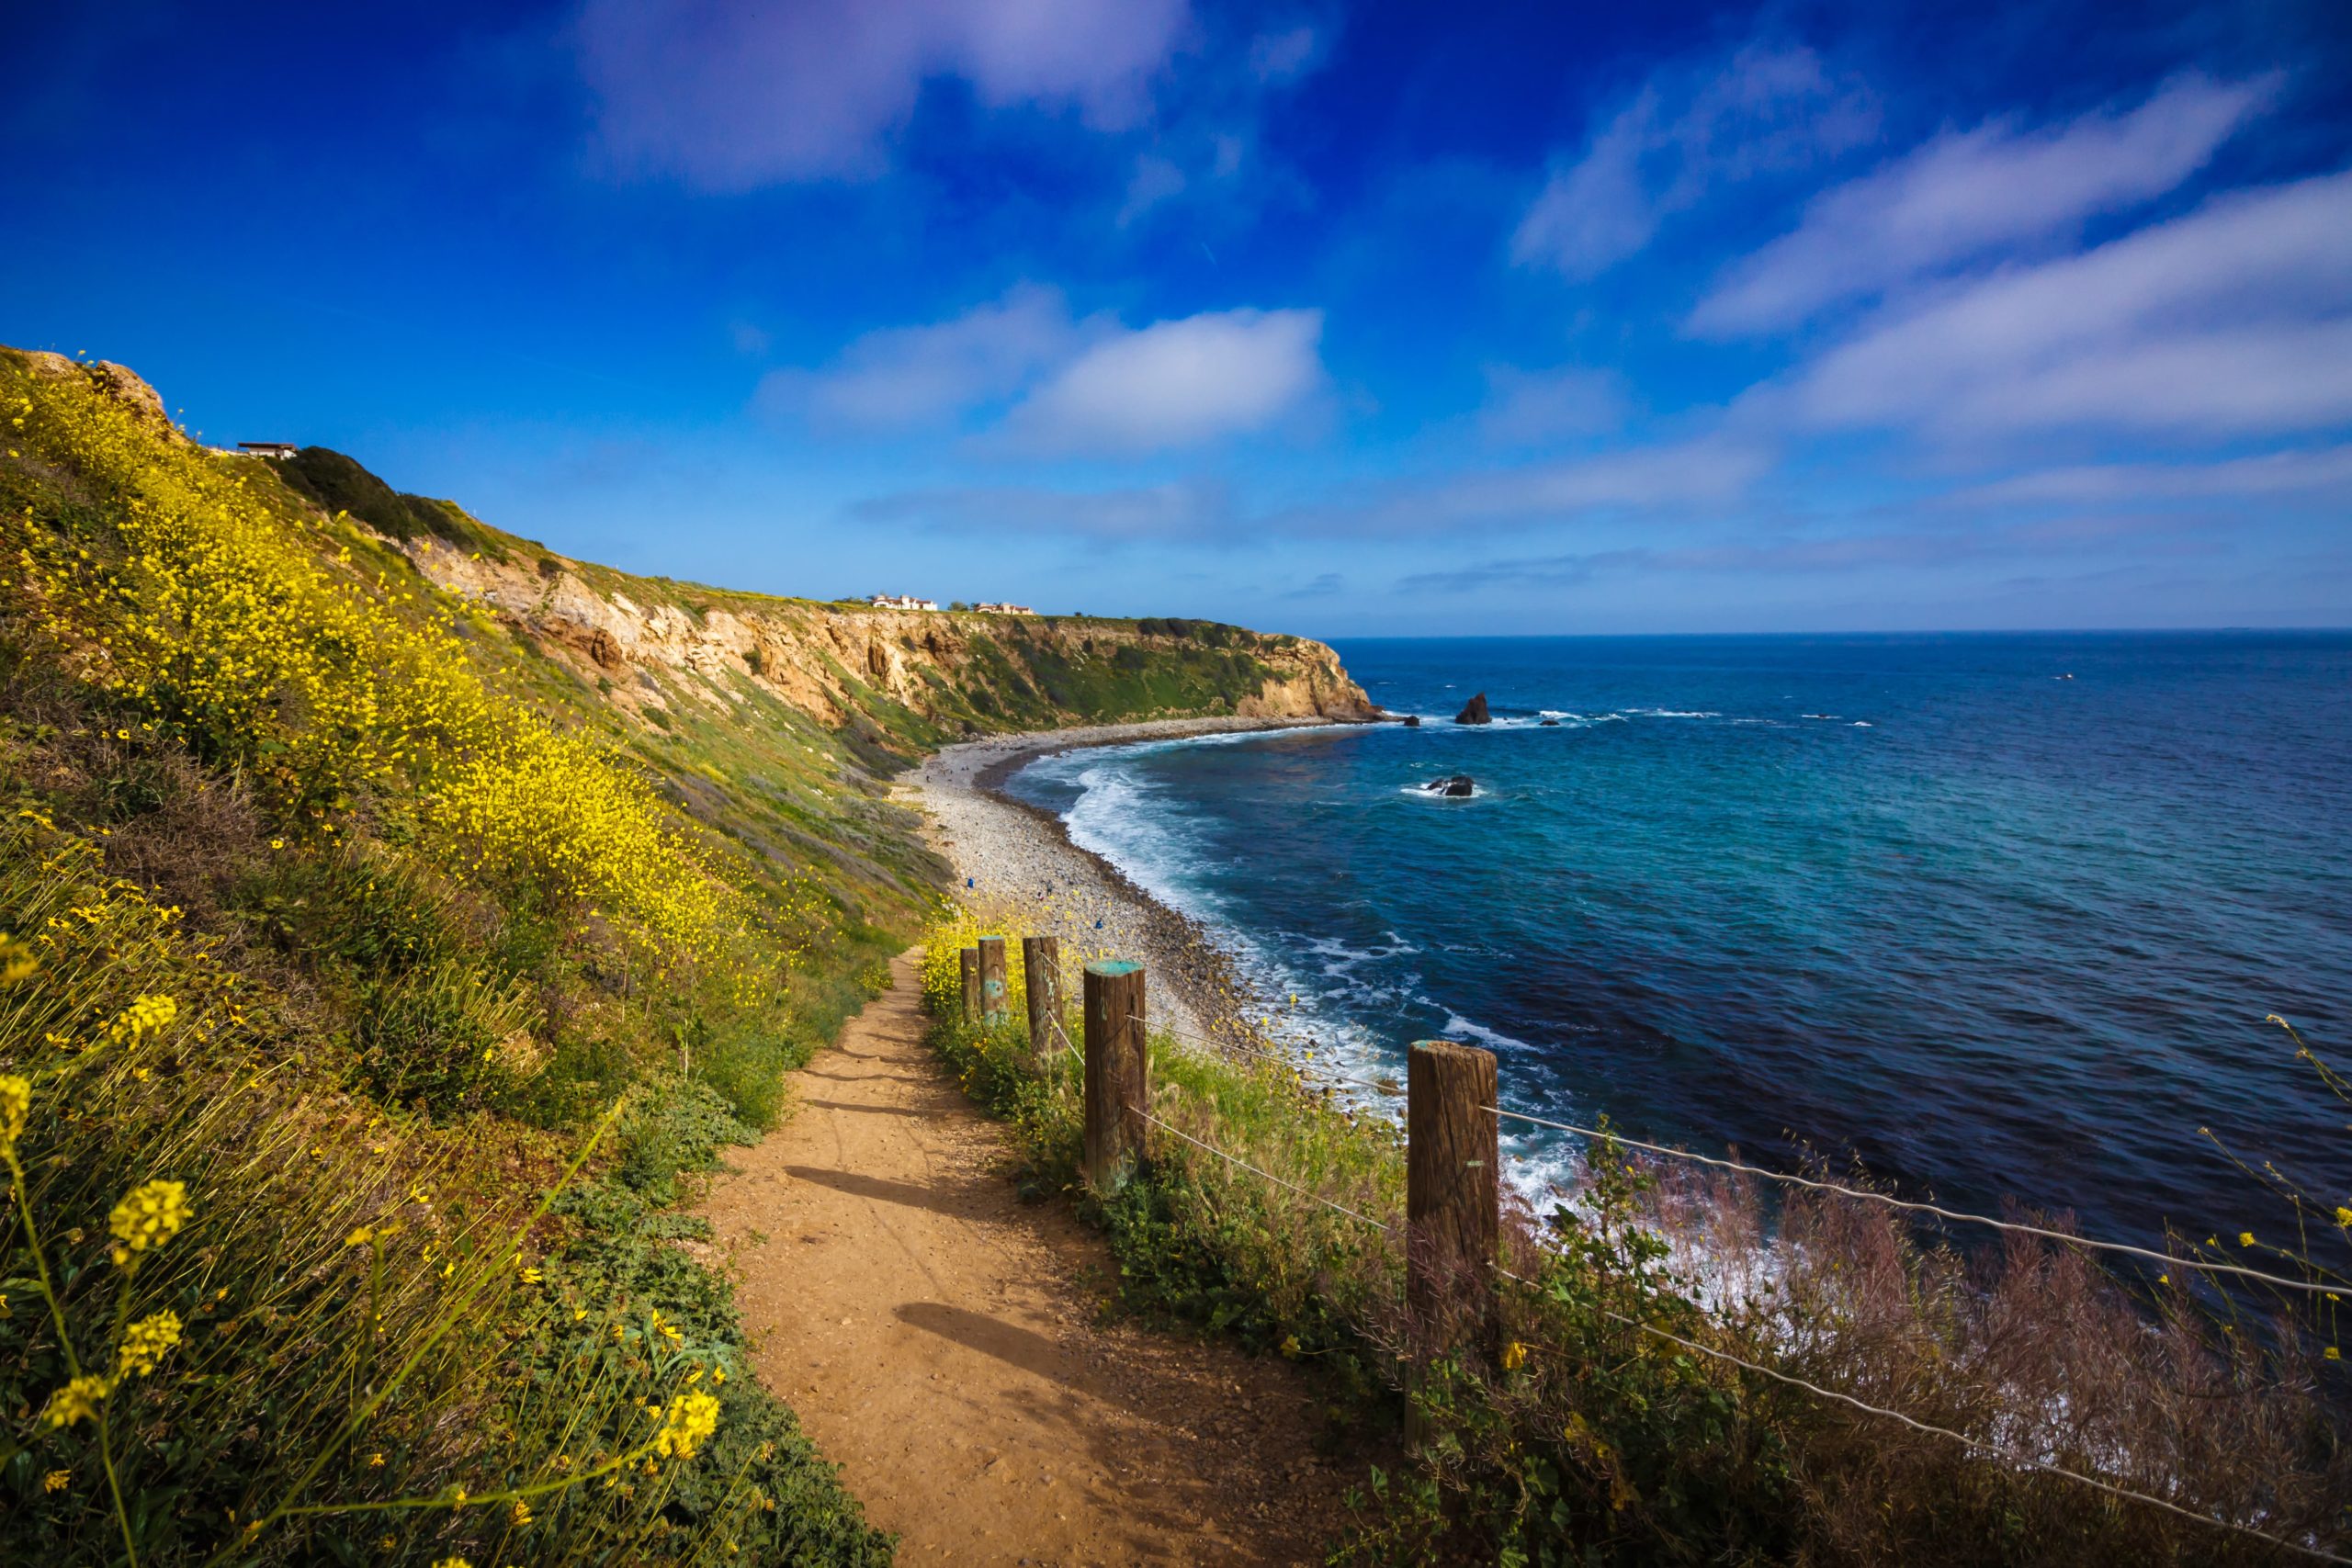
(730, 97)
(1901, 550)
(1529, 408)
(1178, 511)
(1967, 194)
(1701, 474)
(1038, 383)
(909, 377)
(2324, 472)
(2234, 320)
(1175, 384)
(1687, 133)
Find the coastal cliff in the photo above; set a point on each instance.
(647, 643)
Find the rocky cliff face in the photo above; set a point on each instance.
(898, 680)
(955, 672)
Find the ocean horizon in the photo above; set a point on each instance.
(1998, 917)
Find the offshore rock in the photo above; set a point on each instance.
(1460, 786)
(1475, 711)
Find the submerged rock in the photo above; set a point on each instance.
(1460, 786)
(1549, 724)
(1412, 721)
(1475, 711)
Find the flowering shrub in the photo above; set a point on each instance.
(215, 618)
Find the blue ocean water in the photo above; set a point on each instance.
(2001, 916)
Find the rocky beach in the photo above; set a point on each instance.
(1012, 856)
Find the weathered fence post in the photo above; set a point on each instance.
(1453, 1190)
(1041, 985)
(971, 959)
(1117, 1083)
(992, 988)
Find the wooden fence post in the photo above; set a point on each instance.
(971, 959)
(1117, 1079)
(993, 987)
(1453, 1190)
(1041, 987)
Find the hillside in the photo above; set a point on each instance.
(396, 916)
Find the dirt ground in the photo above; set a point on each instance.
(940, 1340)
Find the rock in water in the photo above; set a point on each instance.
(1475, 711)
(1458, 787)
(1412, 721)
(1550, 724)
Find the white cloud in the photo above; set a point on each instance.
(1527, 408)
(1701, 475)
(905, 377)
(733, 96)
(2323, 471)
(1966, 193)
(1278, 57)
(1176, 383)
(1154, 181)
(1683, 135)
(2234, 320)
(1182, 509)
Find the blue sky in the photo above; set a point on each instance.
(1338, 318)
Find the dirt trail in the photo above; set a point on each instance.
(937, 1338)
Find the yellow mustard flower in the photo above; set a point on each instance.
(77, 1401)
(691, 1418)
(151, 1215)
(145, 1015)
(56, 1481)
(17, 960)
(15, 1104)
(1514, 1356)
(521, 1513)
(145, 1343)
(2245, 1238)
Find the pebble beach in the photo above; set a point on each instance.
(1012, 856)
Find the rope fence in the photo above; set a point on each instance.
(1122, 1073)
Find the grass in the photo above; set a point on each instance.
(1583, 1433)
(432, 975)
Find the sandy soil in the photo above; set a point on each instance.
(940, 1340)
(1004, 852)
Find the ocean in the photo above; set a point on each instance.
(1998, 917)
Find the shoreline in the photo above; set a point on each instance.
(1002, 848)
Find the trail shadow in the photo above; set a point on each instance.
(870, 1110)
(1026, 1348)
(963, 1201)
(865, 1078)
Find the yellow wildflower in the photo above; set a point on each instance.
(145, 1343)
(144, 1015)
(2333, 1354)
(16, 1103)
(16, 960)
(77, 1401)
(2245, 1238)
(56, 1481)
(1514, 1356)
(151, 1215)
(451, 1563)
(521, 1514)
(691, 1418)
(2344, 1217)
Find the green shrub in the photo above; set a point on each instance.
(432, 1037)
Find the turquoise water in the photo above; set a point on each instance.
(1922, 901)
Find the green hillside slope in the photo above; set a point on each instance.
(395, 912)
